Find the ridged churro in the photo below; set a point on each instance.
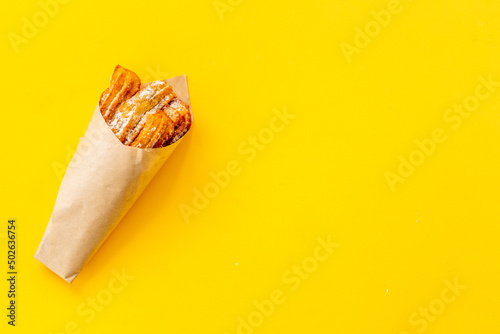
(124, 84)
(146, 117)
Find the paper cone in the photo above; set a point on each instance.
(102, 181)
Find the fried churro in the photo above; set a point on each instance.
(147, 117)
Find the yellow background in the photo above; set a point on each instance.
(323, 175)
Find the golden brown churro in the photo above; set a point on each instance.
(124, 84)
(149, 117)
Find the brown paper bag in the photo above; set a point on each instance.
(102, 181)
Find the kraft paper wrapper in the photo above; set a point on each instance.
(102, 181)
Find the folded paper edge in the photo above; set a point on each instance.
(42, 248)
